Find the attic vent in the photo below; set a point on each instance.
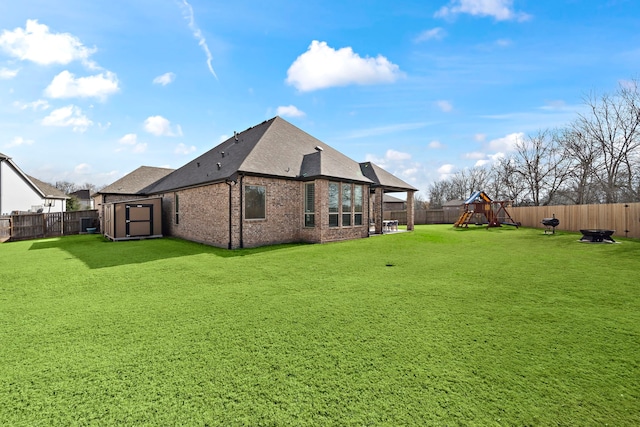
(222, 154)
(219, 165)
(198, 164)
(235, 135)
(318, 148)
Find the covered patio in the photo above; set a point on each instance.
(384, 182)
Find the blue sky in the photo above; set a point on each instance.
(89, 90)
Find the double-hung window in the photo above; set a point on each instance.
(358, 201)
(346, 205)
(309, 204)
(334, 204)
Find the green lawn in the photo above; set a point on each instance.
(441, 326)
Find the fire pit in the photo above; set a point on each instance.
(550, 224)
(597, 236)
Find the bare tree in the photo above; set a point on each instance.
(541, 163)
(613, 126)
(66, 186)
(582, 157)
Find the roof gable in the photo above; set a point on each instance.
(382, 178)
(48, 190)
(136, 181)
(273, 148)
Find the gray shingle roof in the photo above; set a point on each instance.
(48, 190)
(382, 178)
(136, 181)
(273, 148)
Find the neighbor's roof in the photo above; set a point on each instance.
(386, 198)
(136, 181)
(384, 179)
(48, 190)
(273, 148)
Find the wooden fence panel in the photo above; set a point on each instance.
(33, 226)
(624, 218)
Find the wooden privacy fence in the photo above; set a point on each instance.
(429, 216)
(32, 226)
(624, 218)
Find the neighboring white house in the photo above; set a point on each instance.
(20, 192)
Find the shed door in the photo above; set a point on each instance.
(139, 220)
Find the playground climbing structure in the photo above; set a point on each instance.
(478, 205)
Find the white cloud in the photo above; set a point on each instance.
(436, 145)
(480, 137)
(492, 158)
(289, 111)
(65, 85)
(159, 126)
(397, 155)
(188, 14)
(444, 106)
(164, 79)
(183, 149)
(446, 170)
(39, 105)
(37, 44)
(140, 148)
(6, 74)
(129, 139)
(500, 10)
(321, 67)
(18, 141)
(69, 116)
(82, 169)
(432, 34)
(507, 143)
(383, 130)
(475, 155)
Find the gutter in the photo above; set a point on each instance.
(230, 183)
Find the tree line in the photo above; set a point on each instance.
(594, 159)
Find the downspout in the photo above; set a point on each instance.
(241, 212)
(368, 211)
(1, 161)
(230, 184)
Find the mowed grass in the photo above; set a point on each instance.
(441, 326)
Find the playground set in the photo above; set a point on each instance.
(478, 205)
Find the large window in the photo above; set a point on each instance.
(309, 204)
(358, 201)
(346, 205)
(334, 204)
(254, 202)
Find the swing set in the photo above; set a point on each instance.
(479, 204)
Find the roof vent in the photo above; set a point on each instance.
(235, 135)
(222, 154)
(318, 148)
(198, 164)
(219, 165)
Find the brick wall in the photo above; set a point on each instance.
(204, 215)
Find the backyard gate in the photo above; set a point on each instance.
(134, 219)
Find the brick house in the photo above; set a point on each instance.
(272, 183)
